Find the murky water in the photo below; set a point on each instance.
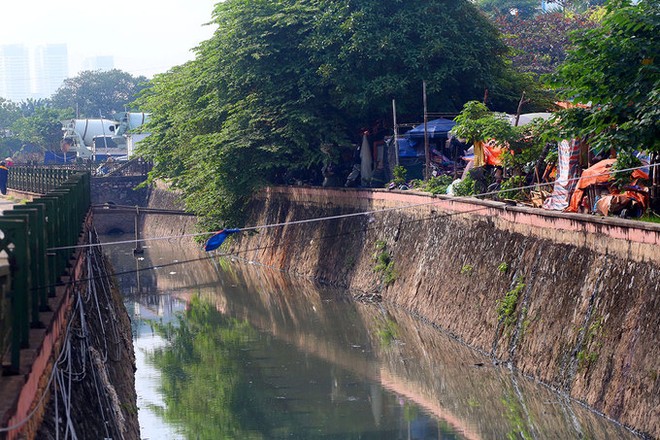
(232, 351)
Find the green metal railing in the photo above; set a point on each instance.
(37, 180)
(52, 220)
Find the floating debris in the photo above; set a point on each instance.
(368, 297)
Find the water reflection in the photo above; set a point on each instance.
(238, 351)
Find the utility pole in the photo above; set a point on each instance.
(396, 133)
(427, 155)
(519, 110)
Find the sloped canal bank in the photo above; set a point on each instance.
(571, 300)
(240, 351)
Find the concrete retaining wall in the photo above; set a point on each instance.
(26, 408)
(571, 300)
(119, 191)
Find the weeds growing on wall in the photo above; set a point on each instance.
(436, 185)
(586, 356)
(508, 191)
(399, 173)
(465, 187)
(384, 264)
(467, 269)
(506, 307)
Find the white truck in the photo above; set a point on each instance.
(101, 139)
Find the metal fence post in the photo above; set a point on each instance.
(15, 243)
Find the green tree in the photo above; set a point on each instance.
(615, 69)
(42, 129)
(279, 79)
(539, 44)
(476, 123)
(95, 93)
(30, 106)
(9, 113)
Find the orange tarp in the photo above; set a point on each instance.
(488, 153)
(567, 104)
(493, 153)
(598, 173)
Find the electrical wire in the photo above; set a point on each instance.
(63, 375)
(355, 214)
(57, 374)
(211, 256)
(46, 388)
(267, 226)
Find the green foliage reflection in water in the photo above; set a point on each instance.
(203, 376)
(216, 384)
(388, 331)
(516, 415)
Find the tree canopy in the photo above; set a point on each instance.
(475, 123)
(614, 69)
(532, 8)
(42, 128)
(94, 92)
(9, 113)
(281, 79)
(539, 44)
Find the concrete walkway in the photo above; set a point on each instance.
(12, 198)
(6, 203)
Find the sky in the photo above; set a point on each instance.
(145, 37)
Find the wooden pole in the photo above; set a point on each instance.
(654, 171)
(427, 155)
(519, 110)
(138, 243)
(396, 133)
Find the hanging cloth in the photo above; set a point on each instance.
(479, 155)
(366, 162)
(569, 170)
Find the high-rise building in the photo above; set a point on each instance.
(50, 69)
(14, 72)
(103, 62)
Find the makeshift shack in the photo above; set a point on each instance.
(437, 130)
(443, 155)
(594, 193)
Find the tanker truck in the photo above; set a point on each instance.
(129, 121)
(101, 139)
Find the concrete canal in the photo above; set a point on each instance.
(232, 350)
(457, 318)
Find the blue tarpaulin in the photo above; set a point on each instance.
(437, 128)
(407, 147)
(51, 157)
(218, 238)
